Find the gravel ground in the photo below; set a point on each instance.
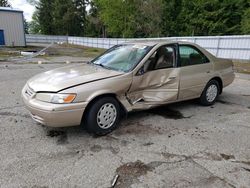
(179, 145)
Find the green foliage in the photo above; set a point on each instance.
(44, 15)
(94, 25)
(141, 18)
(63, 16)
(215, 17)
(59, 17)
(245, 22)
(34, 25)
(117, 16)
(26, 26)
(172, 21)
(201, 17)
(130, 18)
(4, 3)
(148, 18)
(33, 2)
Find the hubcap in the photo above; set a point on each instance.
(106, 116)
(211, 93)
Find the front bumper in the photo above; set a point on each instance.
(53, 115)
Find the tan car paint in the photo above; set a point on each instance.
(55, 115)
(117, 86)
(60, 78)
(193, 80)
(154, 88)
(133, 91)
(223, 69)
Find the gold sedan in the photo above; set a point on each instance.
(127, 77)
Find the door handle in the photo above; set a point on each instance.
(172, 78)
(208, 72)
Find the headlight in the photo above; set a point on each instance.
(56, 98)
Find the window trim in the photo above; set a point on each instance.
(194, 47)
(118, 45)
(175, 47)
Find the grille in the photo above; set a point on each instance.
(29, 92)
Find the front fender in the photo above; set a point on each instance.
(117, 86)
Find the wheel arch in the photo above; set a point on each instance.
(219, 80)
(97, 97)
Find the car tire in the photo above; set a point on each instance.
(103, 116)
(210, 93)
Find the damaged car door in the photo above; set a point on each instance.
(157, 81)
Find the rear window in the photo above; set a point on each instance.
(190, 55)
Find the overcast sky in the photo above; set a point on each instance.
(24, 6)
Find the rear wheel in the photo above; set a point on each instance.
(103, 116)
(210, 93)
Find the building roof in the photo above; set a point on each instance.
(9, 9)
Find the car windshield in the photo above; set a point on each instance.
(122, 57)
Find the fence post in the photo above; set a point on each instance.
(195, 40)
(218, 47)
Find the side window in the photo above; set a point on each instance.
(191, 56)
(162, 58)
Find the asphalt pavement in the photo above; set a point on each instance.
(178, 145)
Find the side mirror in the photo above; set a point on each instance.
(145, 67)
(141, 71)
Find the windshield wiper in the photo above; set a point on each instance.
(101, 65)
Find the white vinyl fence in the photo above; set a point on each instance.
(232, 47)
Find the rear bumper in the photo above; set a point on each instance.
(228, 78)
(54, 115)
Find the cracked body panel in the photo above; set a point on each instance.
(154, 88)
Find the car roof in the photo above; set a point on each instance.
(150, 42)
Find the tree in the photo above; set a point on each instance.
(26, 26)
(44, 16)
(245, 22)
(94, 25)
(148, 19)
(214, 17)
(118, 16)
(65, 18)
(60, 17)
(33, 2)
(4, 3)
(81, 16)
(34, 25)
(141, 18)
(130, 18)
(172, 21)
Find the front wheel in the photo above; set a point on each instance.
(210, 93)
(103, 116)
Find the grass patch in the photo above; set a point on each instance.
(54, 51)
(19, 49)
(79, 51)
(93, 52)
(4, 55)
(242, 67)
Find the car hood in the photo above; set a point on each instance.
(65, 77)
